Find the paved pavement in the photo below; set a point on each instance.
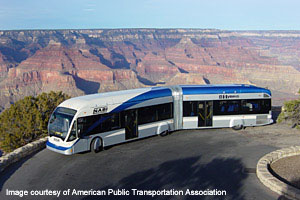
(220, 159)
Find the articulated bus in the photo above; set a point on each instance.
(95, 121)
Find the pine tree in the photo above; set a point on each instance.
(27, 119)
(291, 113)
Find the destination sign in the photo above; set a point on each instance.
(228, 96)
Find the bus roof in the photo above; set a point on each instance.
(117, 97)
(143, 94)
(222, 89)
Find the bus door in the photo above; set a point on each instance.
(130, 123)
(205, 113)
(82, 144)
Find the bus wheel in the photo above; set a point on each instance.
(96, 145)
(165, 133)
(238, 127)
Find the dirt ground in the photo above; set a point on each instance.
(288, 170)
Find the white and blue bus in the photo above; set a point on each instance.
(95, 121)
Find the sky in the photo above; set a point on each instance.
(98, 14)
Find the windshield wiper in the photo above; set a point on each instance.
(54, 133)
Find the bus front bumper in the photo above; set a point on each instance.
(59, 149)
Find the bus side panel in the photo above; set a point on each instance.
(81, 145)
(150, 129)
(147, 130)
(190, 122)
(232, 120)
(113, 137)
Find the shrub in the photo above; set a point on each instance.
(27, 119)
(291, 113)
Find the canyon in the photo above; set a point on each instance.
(80, 62)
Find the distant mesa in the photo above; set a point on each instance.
(89, 61)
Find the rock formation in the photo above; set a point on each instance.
(89, 61)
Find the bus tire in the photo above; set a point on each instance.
(238, 127)
(164, 133)
(96, 145)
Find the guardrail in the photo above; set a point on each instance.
(269, 180)
(22, 152)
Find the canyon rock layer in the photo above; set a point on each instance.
(80, 62)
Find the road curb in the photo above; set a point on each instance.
(266, 177)
(22, 152)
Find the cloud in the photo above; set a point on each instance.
(89, 9)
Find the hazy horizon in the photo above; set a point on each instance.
(217, 29)
(159, 14)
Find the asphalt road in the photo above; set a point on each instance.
(220, 159)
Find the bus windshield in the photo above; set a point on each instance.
(60, 122)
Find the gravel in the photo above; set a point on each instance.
(288, 169)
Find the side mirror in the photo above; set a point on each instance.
(51, 120)
(79, 133)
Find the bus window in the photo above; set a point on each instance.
(60, 121)
(256, 106)
(266, 105)
(155, 113)
(164, 111)
(147, 115)
(233, 107)
(230, 107)
(111, 122)
(249, 106)
(73, 132)
(115, 121)
(190, 108)
(98, 123)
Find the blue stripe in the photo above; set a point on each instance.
(59, 147)
(215, 89)
(156, 92)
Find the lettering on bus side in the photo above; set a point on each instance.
(100, 110)
(226, 96)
